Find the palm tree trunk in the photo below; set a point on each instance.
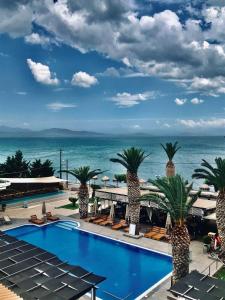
(220, 214)
(170, 169)
(83, 195)
(180, 241)
(133, 194)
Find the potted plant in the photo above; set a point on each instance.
(73, 200)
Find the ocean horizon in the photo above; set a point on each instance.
(97, 151)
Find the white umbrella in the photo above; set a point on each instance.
(112, 211)
(43, 208)
(142, 181)
(204, 187)
(105, 179)
(95, 206)
(168, 221)
(149, 212)
(127, 214)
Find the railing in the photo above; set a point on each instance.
(212, 267)
(116, 297)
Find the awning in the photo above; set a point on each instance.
(211, 217)
(205, 204)
(50, 179)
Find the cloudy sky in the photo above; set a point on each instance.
(155, 66)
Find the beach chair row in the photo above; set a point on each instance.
(105, 220)
(157, 233)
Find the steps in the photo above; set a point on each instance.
(6, 294)
(67, 225)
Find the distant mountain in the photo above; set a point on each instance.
(9, 132)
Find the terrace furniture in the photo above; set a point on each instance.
(91, 219)
(34, 219)
(161, 235)
(7, 220)
(101, 219)
(155, 230)
(108, 221)
(121, 224)
(50, 217)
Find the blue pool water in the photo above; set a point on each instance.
(129, 270)
(34, 197)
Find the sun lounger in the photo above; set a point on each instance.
(98, 221)
(34, 219)
(152, 232)
(109, 221)
(119, 225)
(161, 235)
(50, 217)
(7, 220)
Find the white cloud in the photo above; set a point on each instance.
(83, 79)
(196, 101)
(57, 106)
(128, 100)
(136, 126)
(42, 73)
(180, 101)
(21, 93)
(159, 44)
(37, 39)
(202, 123)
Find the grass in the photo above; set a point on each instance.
(221, 273)
(69, 206)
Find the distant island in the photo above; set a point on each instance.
(15, 132)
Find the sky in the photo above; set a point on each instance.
(113, 66)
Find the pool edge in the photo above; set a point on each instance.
(146, 292)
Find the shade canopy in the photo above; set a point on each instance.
(50, 179)
(105, 178)
(211, 217)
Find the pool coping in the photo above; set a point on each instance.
(146, 292)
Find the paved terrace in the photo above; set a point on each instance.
(20, 216)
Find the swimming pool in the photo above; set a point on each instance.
(129, 270)
(37, 197)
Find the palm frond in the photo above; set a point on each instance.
(84, 174)
(175, 199)
(213, 175)
(131, 158)
(171, 149)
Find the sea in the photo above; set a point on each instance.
(97, 151)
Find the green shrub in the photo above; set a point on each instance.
(73, 200)
(206, 239)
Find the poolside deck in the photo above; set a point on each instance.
(20, 216)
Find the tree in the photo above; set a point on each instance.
(39, 169)
(15, 166)
(170, 150)
(84, 175)
(177, 203)
(216, 176)
(120, 178)
(131, 159)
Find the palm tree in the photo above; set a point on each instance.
(216, 176)
(170, 150)
(120, 178)
(177, 203)
(131, 159)
(84, 175)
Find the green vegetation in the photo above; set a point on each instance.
(69, 206)
(177, 203)
(17, 166)
(84, 175)
(221, 273)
